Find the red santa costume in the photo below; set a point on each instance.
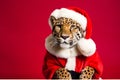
(78, 57)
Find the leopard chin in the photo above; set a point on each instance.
(66, 45)
(63, 45)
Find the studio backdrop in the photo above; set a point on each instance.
(24, 27)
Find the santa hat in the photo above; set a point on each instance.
(86, 45)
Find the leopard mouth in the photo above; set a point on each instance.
(66, 44)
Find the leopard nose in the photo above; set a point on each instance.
(64, 37)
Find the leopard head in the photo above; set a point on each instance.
(66, 31)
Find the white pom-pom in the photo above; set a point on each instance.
(87, 47)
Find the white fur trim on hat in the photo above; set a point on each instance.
(63, 12)
(87, 47)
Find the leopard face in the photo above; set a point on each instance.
(66, 31)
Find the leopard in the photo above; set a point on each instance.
(67, 32)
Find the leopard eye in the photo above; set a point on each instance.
(57, 28)
(72, 26)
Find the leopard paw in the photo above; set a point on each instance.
(87, 73)
(62, 73)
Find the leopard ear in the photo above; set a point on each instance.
(52, 20)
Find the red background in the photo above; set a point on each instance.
(24, 27)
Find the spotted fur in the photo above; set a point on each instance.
(62, 73)
(66, 31)
(87, 73)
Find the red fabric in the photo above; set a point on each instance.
(52, 63)
(95, 62)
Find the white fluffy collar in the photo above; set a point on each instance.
(84, 47)
(55, 50)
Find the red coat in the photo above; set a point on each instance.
(52, 63)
